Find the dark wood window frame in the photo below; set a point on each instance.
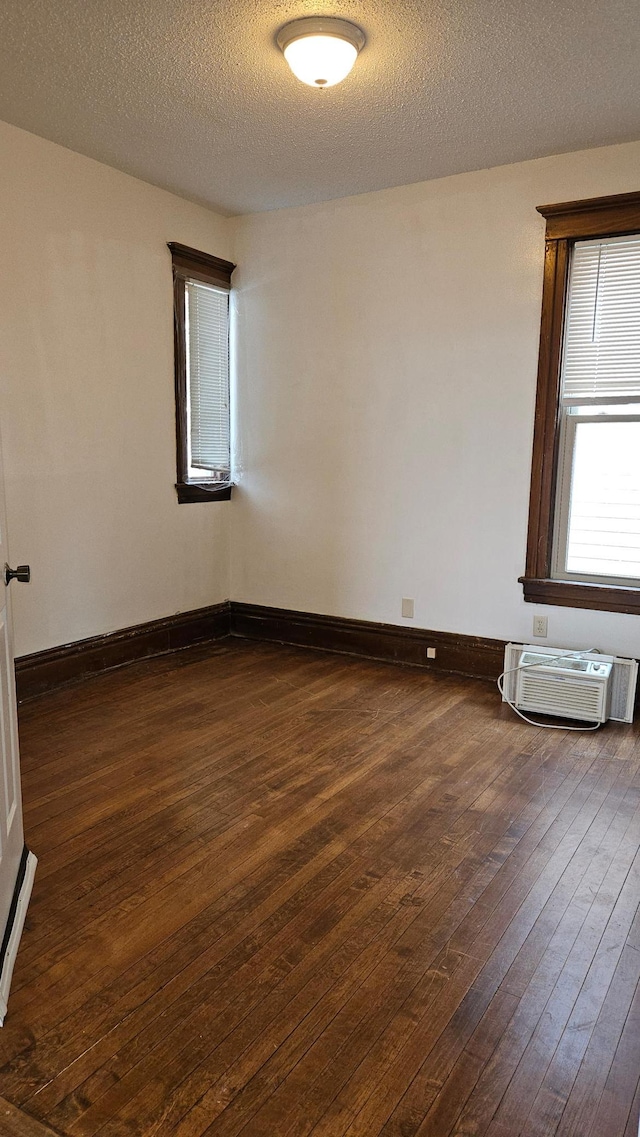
(191, 264)
(566, 223)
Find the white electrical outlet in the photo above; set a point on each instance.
(431, 653)
(540, 624)
(407, 608)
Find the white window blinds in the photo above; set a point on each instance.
(207, 345)
(601, 360)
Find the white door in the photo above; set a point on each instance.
(17, 865)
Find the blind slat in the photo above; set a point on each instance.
(601, 359)
(207, 327)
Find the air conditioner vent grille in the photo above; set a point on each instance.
(572, 700)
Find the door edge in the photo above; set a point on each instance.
(15, 924)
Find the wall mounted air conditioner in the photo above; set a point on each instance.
(569, 684)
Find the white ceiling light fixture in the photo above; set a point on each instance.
(320, 50)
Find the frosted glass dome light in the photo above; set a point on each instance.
(320, 50)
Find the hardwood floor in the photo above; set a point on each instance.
(286, 893)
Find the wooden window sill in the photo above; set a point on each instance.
(203, 491)
(574, 594)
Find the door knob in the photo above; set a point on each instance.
(22, 572)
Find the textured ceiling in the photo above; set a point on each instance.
(193, 95)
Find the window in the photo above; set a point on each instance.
(584, 518)
(201, 286)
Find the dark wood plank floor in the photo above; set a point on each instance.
(288, 893)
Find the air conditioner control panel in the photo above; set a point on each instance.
(595, 668)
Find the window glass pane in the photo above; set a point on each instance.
(207, 328)
(604, 515)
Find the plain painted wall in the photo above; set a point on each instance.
(86, 368)
(387, 356)
(386, 363)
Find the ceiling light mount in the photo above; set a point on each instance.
(320, 50)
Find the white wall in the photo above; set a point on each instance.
(86, 366)
(387, 353)
(387, 363)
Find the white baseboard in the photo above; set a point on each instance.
(16, 932)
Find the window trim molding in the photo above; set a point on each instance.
(567, 222)
(192, 264)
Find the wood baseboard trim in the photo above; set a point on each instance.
(45, 670)
(463, 655)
